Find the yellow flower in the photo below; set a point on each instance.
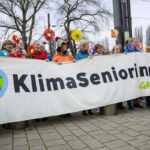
(76, 35)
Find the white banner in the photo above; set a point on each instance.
(32, 89)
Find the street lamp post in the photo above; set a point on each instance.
(126, 16)
(50, 43)
(122, 19)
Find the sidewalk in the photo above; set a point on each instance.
(127, 131)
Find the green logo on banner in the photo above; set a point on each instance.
(3, 83)
(144, 85)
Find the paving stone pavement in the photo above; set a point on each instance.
(125, 131)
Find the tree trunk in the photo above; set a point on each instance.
(24, 40)
(24, 26)
(31, 30)
(70, 42)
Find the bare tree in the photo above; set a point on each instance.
(105, 42)
(22, 14)
(87, 13)
(138, 33)
(148, 36)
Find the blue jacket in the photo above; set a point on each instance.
(130, 48)
(82, 55)
(4, 53)
(49, 57)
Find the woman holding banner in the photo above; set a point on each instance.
(7, 48)
(12, 50)
(83, 54)
(118, 50)
(37, 51)
(63, 54)
(133, 45)
(98, 50)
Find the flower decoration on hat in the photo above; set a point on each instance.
(15, 39)
(49, 34)
(114, 33)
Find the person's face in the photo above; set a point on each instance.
(117, 50)
(100, 50)
(86, 47)
(137, 45)
(64, 47)
(9, 47)
(38, 47)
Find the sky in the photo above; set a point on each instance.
(140, 17)
(105, 29)
(41, 25)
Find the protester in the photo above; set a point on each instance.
(133, 45)
(8, 46)
(62, 54)
(16, 52)
(83, 54)
(128, 49)
(36, 51)
(98, 50)
(118, 50)
(84, 51)
(138, 45)
(11, 50)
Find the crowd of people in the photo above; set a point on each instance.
(62, 54)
